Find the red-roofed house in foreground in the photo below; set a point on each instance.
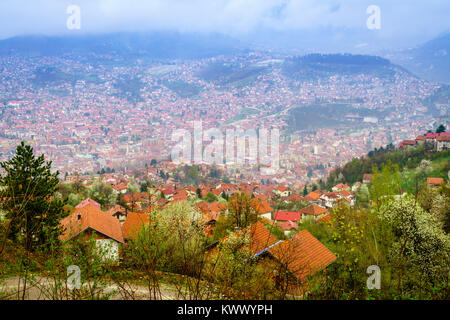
(89, 221)
(303, 255)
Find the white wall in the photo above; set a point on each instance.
(108, 249)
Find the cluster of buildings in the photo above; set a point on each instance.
(439, 141)
(96, 121)
(302, 254)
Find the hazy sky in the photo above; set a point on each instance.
(401, 20)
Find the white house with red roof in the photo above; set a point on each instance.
(442, 142)
(91, 222)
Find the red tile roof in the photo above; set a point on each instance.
(304, 255)
(87, 201)
(325, 218)
(443, 138)
(435, 181)
(260, 237)
(287, 216)
(133, 224)
(313, 209)
(90, 217)
(115, 209)
(289, 225)
(345, 193)
(313, 196)
(260, 207)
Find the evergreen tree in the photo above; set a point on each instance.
(210, 197)
(305, 191)
(28, 199)
(440, 129)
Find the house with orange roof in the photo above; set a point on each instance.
(91, 222)
(304, 256)
(133, 201)
(435, 182)
(313, 196)
(262, 208)
(421, 139)
(262, 197)
(87, 201)
(294, 197)
(120, 188)
(260, 238)
(133, 224)
(348, 196)
(283, 216)
(118, 212)
(180, 195)
(313, 211)
(407, 143)
(282, 191)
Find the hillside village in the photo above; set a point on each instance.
(120, 224)
(279, 227)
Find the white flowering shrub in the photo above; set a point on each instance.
(420, 243)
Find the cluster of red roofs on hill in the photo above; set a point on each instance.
(119, 225)
(440, 141)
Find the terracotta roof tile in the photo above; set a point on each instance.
(325, 218)
(304, 255)
(87, 201)
(133, 224)
(435, 181)
(287, 216)
(313, 209)
(91, 217)
(260, 237)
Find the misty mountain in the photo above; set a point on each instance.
(156, 45)
(430, 61)
(316, 66)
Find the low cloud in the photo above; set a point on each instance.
(400, 19)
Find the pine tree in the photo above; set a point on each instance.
(29, 186)
(440, 129)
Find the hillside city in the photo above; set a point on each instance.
(251, 154)
(122, 117)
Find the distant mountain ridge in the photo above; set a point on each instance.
(313, 66)
(430, 61)
(158, 45)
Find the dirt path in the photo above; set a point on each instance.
(39, 289)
